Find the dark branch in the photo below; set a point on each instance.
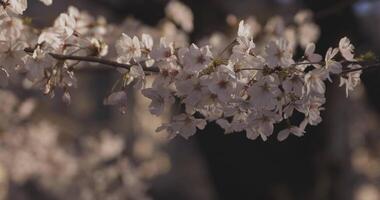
(95, 60)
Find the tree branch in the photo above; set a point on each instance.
(362, 68)
(115, 64)
(94, 59)
(100, 61)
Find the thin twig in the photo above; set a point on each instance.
(100, 61)
(362, 68)
(250, 68)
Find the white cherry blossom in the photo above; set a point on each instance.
(250, 86)
(159, 98)
(282, 135)
(128, 48)
(11, 55)
(331, 65)
(263, 94)
(310, 54)
(183, 125)
(164, 51)
(36, 65)
(13, 7)
(223, 83)
(278, 53)
(351, 79)
(244, 31)
(346, 49)
(197, 59)
(314, 81)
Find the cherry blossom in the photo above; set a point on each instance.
(13, 6)
(282, 135)
(346, 49)
(278, 53)
(183, 125)
(351, 79)
(128, 48)
(249, 85)
(197, 59)
(310, 55)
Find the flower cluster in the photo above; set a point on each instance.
(249, 91)
(259, 84)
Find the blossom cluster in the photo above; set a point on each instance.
(258, 85)
(249, 91)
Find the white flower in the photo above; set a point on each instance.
(127, 48)
(168, 72)
(197, 59)
(239, 114)
(351, 79)
(210, 107)
(159, 97)
(223, 83)
(191, 89)
(261, 125)
(163, 52)
(83, 21)
(311, 107)
(138, 74)
(13, 6)
(117, 99)
(55, 36)
(146, 42)
(244, 30)
(314, 81)
(11, 28)
(294, 85)
(65, 22)
(36, 65)
(224, 124)
(278, 54)
(282, 135)
(244, 47)
(346, 49)
(263, 94)
(184, 125)
(289, 108)
(11, 55)
(310, 55)
(331, 65)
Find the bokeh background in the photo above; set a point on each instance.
(337, 160)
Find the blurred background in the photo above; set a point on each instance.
(89, 151)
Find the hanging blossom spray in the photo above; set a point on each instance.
(258, 84)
